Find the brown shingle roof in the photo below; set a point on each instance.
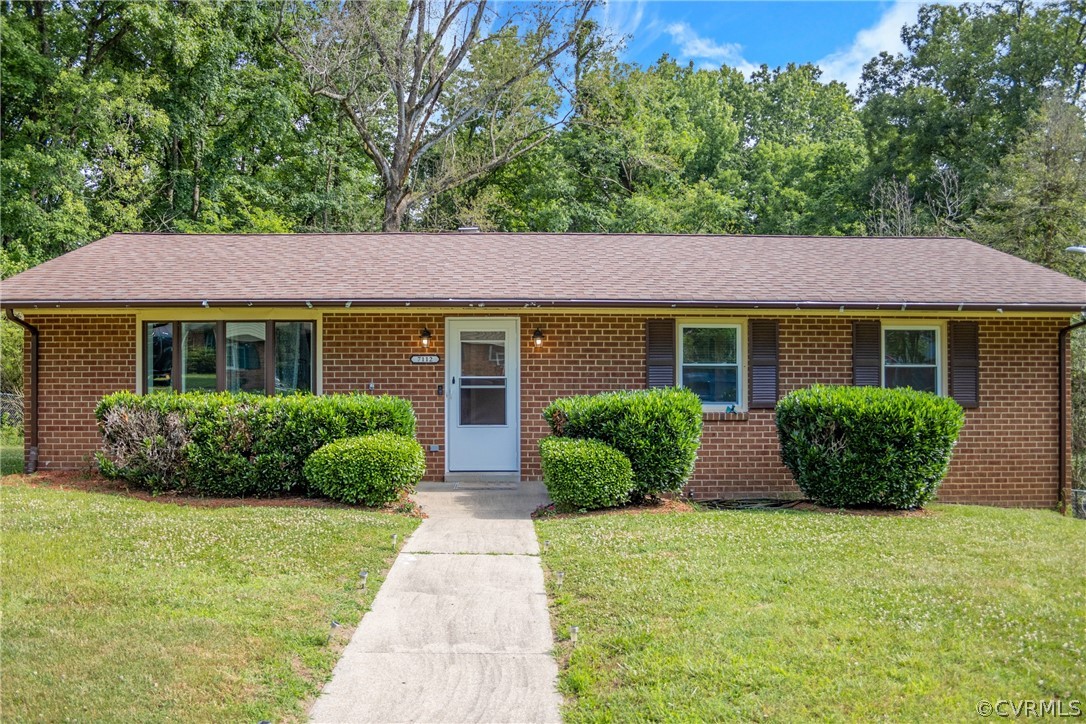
(547, 269)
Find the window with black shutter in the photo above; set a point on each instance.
(710, 363)
(660, 352)
(912, 357)
(867, 353)
(965, 363)
(764, 369)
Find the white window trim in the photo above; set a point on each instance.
(940, 352)
(740, 328)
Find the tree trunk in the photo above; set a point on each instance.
(173, 158)
(327, 190)
(395, 66)
(394, 210)
(196, 184)
(38, 11)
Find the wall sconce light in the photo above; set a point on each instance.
(424, 336)
(537, 337)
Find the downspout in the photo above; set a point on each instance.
(1062, 503)
(32, 460)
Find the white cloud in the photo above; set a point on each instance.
(622, 19)
(695, 47)
(846, 64)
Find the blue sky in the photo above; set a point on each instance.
(839, 36)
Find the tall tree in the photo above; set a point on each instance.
(158, 115)
(77, 123)
(439, 92)
(803, 151)
(249, 148)
(1036, 207)
(966, 86)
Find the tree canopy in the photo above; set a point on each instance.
(245, 116)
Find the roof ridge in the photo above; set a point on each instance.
(542, 233)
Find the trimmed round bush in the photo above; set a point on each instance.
(585, 474)
(659, 430)
(369, 470)
(868, 446)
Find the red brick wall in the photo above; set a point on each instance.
(1007, 451)
(740, 456)
(581, 355)
(1007, 454)
(370, 353)
(81, 358)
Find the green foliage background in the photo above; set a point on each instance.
(163, 116)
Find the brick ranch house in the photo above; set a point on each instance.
(481, 330)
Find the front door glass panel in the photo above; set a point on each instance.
(483, 381)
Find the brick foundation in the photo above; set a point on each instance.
(1007, 454)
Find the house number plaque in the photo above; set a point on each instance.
(425, 359)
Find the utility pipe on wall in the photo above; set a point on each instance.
(32, 459)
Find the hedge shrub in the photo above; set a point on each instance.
(372, 470)
(146, 449)
(659, 430)
(851, 446)
(239, 443)
(585, 474)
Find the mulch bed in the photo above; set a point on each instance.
(806, 505)
(883, 512)
(95, 483)
(663, 505)
(682, 505)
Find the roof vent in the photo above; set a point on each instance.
(468, 229)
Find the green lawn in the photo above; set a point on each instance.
(11, 458)
(11, 449)
(799, 615)
(115, 609)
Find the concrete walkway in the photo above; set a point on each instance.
(456, 633)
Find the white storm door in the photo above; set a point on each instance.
(483, 383)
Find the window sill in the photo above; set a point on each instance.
(724, 416)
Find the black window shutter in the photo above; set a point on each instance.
(763, 363)
(866, 353)
(965, 363)
(660, 352)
